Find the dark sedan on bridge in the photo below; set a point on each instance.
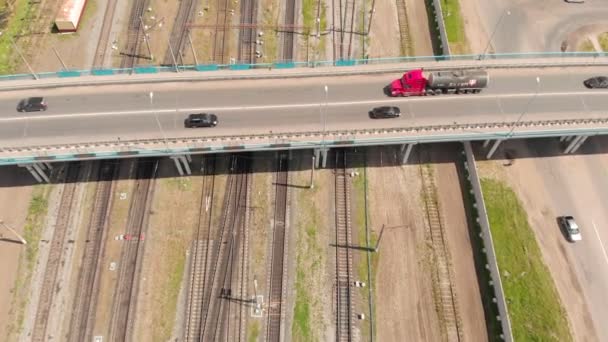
(201, 120)
(600, 82)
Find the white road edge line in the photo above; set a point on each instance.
(601, 243)
(286, 106)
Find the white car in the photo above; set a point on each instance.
(571, 228)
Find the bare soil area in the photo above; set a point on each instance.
(14, 203)
(404, 290)
(404, 298)
(172, 225)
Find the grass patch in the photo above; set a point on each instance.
(603, 40)
(534, 306)
(309, 263)
(309, 20)
(17, 23)
(175, 261)
(178, 183)
(433, 29)
(586, 46)
(253, 331)
(454, 26)
(27, 261)
(270, 17)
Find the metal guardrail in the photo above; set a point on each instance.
(443, 33)
(486, 234)
(298, 73)
(301, 140)
(206, 68)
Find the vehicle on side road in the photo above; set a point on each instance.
(571, 229)
(32, 104)
(201, 120)
(414, 82)
(385, 112)
(576, 1)
(598, 82)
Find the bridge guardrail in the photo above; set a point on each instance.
(455, 63)
(301, 140)
(596, 57)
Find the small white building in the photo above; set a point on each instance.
(69, 15)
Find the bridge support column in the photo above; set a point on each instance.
(37, 171)
(576, 143)
(324, 156)
(321, 157)
(178, 165)
(493, 149)
(186, 161)
(565, 138)
(406, 150)
(486, 143)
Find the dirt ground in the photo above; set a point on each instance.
(14, 203)
(550, 184)
(404, 298)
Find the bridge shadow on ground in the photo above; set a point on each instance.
(302, 160)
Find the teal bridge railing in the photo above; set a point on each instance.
(153, 69)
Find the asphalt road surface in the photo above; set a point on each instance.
(108, 113)
(534, 26)
(570, 185)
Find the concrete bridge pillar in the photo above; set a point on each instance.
(575, 143)
(37, 171)
(406, 150)
(184, 160)
(493, 149)
(321, 157)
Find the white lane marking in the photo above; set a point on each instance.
(601, 243)
(296, 105)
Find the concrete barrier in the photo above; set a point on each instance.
(482, 218)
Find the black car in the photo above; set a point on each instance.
(32, 104)
(201, 120)
(385, 112)
(596, 82)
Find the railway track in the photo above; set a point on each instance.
(221, 34)
(275, 297)
(344, 20)
(123, 306)
(54, 262)
(343, 308)
(200, 256)
(443, 278)
(104, 35)
(217, 305)
(288, 36)
(247, 35)
(179, 32)
(404, 31)
(135, 30)
(83, 312)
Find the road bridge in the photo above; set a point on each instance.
(110, 121)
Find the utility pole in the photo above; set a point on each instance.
(21, 239)
(312, 172)
(59, 58)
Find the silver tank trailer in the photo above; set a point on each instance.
(458, 79)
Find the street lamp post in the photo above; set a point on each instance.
(506, 12)
(160, 128)
(510, 134)
(325, 114)
(20, 55)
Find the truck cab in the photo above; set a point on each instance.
(412, 83)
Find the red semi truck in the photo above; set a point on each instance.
(414, 82)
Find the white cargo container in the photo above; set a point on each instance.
(69, 15)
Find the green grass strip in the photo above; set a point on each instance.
(32, 232)
(454, 26)
(534, 305)
(16, 24)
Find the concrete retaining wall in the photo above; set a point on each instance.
(482, 219)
